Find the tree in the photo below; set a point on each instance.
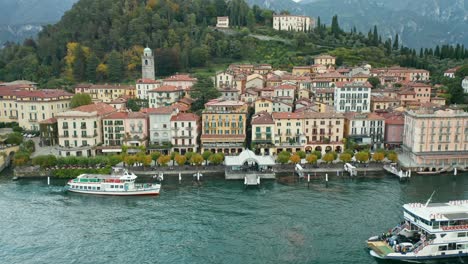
(462, 72)
(132, 105)
(163, 160)
(250, 20)
(91, 67)
(283, 157)
(374, 81)
(29, 146)
(335, 27)
(362, 156)
(79, 64)
(375, 36)
(328, 157)
(378, 156)
(174, 154)
(14, 138)
(202, 92)
(196, 159)
(146, 160)
(345, 157)
(199, 56)
(392, 156)
(301, 154)
(317, 153)
(115, 66)
(155, 156)
(180, 159)
(396, 44)
(80, 99)
(21, 158)
(130, 160)
(311, 159)
(295, 159)
(206, 155)
(216, 159)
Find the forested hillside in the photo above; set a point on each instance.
(102, 41)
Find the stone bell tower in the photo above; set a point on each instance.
(147, 64)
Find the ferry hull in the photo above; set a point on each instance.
(127, 193)
(421, 259)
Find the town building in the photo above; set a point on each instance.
(145, 85)
(325, 95)
(147, 65)
(394, 126)
(365, 129)
(263, 133)
(164, 96)
(184, 81)
(125, 129)
(28, 107)
(48, 132)
(224, 126)
(301, 70)
(293, 23)
(435, 138)
(382, 102)
(393, 75)
(160, 133)
(222, 22)
(285, 93)
(325, 59)
(80, 129)
(185, 132)
(224, 79)
(465, 84)
(450, 73)
(105, 92)
(352, 97)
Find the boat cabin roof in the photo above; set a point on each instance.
(451, 211)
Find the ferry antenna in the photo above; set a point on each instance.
(430, 198)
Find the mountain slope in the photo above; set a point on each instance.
(20, 19)
(420, 23)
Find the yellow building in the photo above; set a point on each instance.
(224, 126)
(301, 70)
(29, 107)
(106, 93)
(263, 133)
(263, 105)
(325, 60)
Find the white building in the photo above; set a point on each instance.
(352, 97)
(293, 23)
(224, 79)
(145, 85)
(164, 96)
(222, 22)
(160, 134)
(185, 131)
(465, 84)
(365, 129)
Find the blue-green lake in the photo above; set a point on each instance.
(217, 222)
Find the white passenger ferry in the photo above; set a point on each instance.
(431, 231)
(120, 182)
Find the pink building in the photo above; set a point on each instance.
(394, 126)
(125, 129)
(435, 138)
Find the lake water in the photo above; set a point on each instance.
(217, 222)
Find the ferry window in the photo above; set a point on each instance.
(121, 186)
(94, 188)
(442, 248)
(99, 188)
(435, 225)
(443, 235)
(460, 246)
(462, 234)
(112, 186)
(452, 246)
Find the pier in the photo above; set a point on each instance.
(247, 163)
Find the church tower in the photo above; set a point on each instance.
(147, 64)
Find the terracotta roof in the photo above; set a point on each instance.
(180, 77)
(262, 118)
(263, 99)
(406, 92)
(395, 120)
(352, 84)
(382, 98)
(452, 70)
(185, 117)
(107, 86)
(324, 90)
(285, 87)
(287, 115)
(100, 108)
(52, 120)
(46, 93)
(324, 56)
(180, 106)
(166, 88)
(148, 81)
(126, 115)
(163, 110)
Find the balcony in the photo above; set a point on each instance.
(32, 120)
(70, 148)
(13, 117)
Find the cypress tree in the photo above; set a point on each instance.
(91, 67)
(375, 36)
(437, 51)
(79, 65)
(115, 67)
(421, 53)
(396, 45)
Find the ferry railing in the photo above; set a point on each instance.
(455, 227)
(398, 229)
(424, 244)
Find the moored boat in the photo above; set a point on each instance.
(120, 183)
(431, 231)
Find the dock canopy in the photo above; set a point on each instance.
(248, 157)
